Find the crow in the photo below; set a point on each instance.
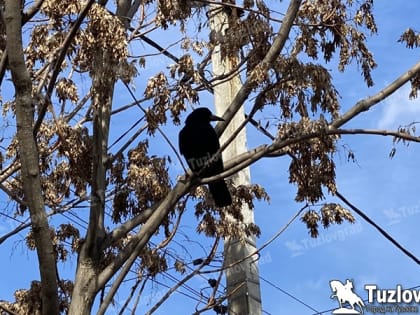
(198, 143)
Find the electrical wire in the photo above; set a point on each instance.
(288, 294)
(376, 226)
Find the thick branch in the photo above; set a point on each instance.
(102, 93)
(263, 66)
(277, 149)
(367, 103)
(146, 232)
(122, 230)
(26, 17)
(30, 13)
(3, 66)
(7, 309)
(127, 267)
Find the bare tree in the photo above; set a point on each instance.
(77, 67)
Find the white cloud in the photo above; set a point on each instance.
(399, 110)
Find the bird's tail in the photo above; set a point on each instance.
(220, 193)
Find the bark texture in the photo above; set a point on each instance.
(29, 157)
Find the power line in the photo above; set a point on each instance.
(376, 226)
(288, 294)
(180, 292)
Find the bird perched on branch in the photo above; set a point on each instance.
(198, 142)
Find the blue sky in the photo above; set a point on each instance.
(385, 189)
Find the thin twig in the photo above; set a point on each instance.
(158, 128)
(258, 250)
(59, 61)
(127, 132)
(24, 224)
(113, 290)
(186, 278)
(219, 301)
(260, 128)
(130, 296)
(136, 303)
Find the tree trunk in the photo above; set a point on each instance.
(29, 158)
(84, 290)
(89, 263)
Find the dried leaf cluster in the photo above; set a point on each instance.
(228, 222)
(330, 213)
(64, 237)
(411, 39)
(312, 167)
(328, 26)
(28, 301)
(140, 182)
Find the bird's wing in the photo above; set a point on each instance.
(198, 142)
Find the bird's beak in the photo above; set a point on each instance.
(216, 118)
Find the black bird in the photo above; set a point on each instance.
(198, 143)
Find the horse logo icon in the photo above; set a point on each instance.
(344, 294)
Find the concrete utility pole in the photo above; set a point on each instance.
(243, 285)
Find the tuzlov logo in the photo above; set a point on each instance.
(383, 301)
(344, 294)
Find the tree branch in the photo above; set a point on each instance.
(275, 149)
(127, 266)
(7, 309)
(377, 132)
(3, 66)
(158, 128)
(120, 231)
(30, 13)
(238, 7)
(368, 102)
(59, 61)
(131, 295)
(25, 18)
(220, 300)
(196, 271)
(258, 250)
(263, 66)
(148, 229)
